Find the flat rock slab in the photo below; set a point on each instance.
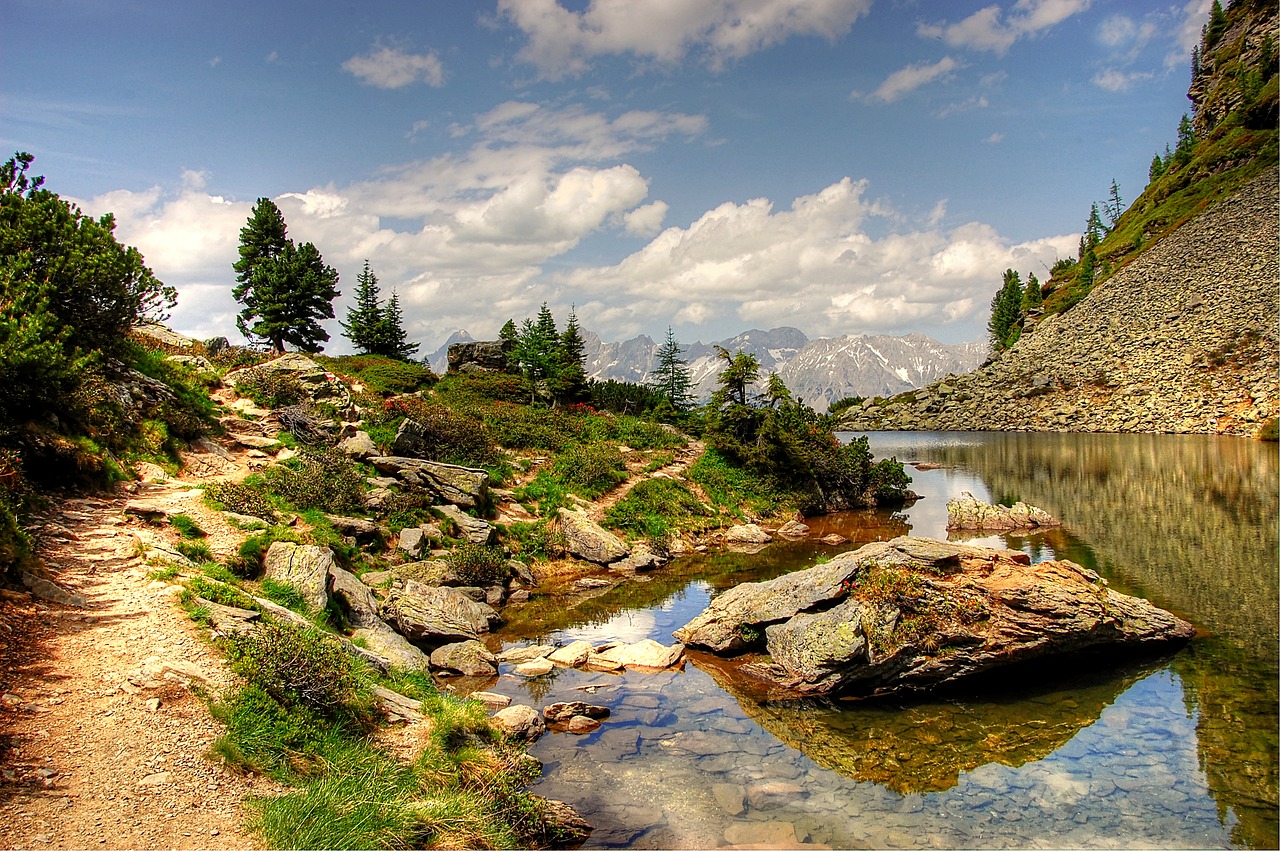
(913, 614)
(587, 540)
(436, 614)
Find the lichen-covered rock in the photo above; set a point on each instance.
(303, 566)
(449, 483)
(359, 446)
(392, 647)
(588, 540)
(643, 654)
(747, 533)
(436, 615)
(521, 722)
(357, 601)
(469, 658)
(558, 713)
(474, 529)
(479, 356)
(969, 513)
(911, 614)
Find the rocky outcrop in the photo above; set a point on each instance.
(436, 615)
(304, 567)
(316, 383)
(1184, 339)
(913, 614)
(479, 356)
(587, 540)
(968, 513)
(447, 482)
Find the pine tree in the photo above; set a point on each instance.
(740, 372)
(571, 375)
(1217, 25)
(1113, 206)
(285, 289)
(392, 341)
(365, 319)
(1032, 297)
(670, 376)
(1004, 327)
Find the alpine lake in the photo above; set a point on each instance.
(1176, 751)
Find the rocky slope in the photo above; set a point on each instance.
(1182, 340)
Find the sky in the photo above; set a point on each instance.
(709, 166)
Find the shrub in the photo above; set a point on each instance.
(654, 508)
(590, 469)
(1270, 430)
(253, 551)
(325, 478)
(239, 497)
(476, 564)
(381, 375)
(535, 541)
(447, 435)
(271, 388)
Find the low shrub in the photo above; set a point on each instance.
(590, 469)
(655, 508)
(239, 497)
(530, 542)
(251, 556)
(324, 478)
(381, 375)
(271, 388)
(476, 564)
(447, 435)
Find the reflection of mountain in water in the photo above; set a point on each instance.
(1190, 523)
(924, 747)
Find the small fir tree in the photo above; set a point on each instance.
(571, 375)
(365, 318)
(670, 375)
(1032, 297)
(1004, 326)
(392, 341)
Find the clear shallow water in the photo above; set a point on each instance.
(1179, 751)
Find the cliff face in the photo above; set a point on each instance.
(1183, 339)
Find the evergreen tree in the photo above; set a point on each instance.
(392, 341)
(285, 291)
(1094, 229)
(1217, 26)
(1113, 206)
(1186, 142)
(740, 372)
(1032, 297)
(509, 331)
(670, 376)
(365, 319)
(1156, 170)
(571, 375)
(776, 392)
(1004, 327)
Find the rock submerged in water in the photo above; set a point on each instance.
(970, 513)
(913, 614)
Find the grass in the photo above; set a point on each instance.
(656, 508)
(186, 527)
(731, 488)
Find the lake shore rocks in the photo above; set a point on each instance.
(914, 614)
(968, 513)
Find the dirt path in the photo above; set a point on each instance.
(103, 743)
(684, 458)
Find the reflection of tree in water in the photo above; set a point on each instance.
(924, 747)
(1190, 523)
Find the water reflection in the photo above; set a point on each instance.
(1178, 753)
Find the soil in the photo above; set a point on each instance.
(100, 745)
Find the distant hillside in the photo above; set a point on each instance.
(1178, 329)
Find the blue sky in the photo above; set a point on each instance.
(842, 166)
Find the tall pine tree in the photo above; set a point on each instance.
(285, 289)
(670, 375)
(364, 319)
(1004, 326)
(392, 341)
(571, 375)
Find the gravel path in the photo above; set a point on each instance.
(104, 740)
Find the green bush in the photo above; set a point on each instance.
(590, 469)
(197, 551)
(1270, 430)
(476, 564)
(447, 435)
(240, 498)
(655, 508)
(530, 542)
(271, 388)
(381, 375)
(543, 492)
(324, 478)
(253, 550)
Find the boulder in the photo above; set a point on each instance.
(317, 384)
(747, 533)
(643, 654)
(435, 615)
(521, 722)
(474, 529)
(580, 725)
(970, 513)
(469, 658)
(793, 530)
(357, 601)
(558, 713)
(413, 542)
(446, 482)
(303, 566)
(641, 558)
(588, 540)
(359, 446)
(392, 647)
(913, 614)
(517, 655)
(479, 356)
(535, 668)
(573, 654)
(364, 531)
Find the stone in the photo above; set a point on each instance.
(364, 531)
(317, 384)
(474, 529)
(969, 513)
(559, 713)
(793, 530)
(581, 724)
(228, 619)
(376, 578)
(587, 540)
(521, 722)
(572, 655)
(436, 614)
(303, 566)
(516, 655)
(535, 668)
(491, 700)
(52, 592)
(641, 558)
(468, 658)
(731, 797)
(397, 706)
(973, 609)
(772, 793)
(479, 356)
(393, 647)
(643, 654)
(747, 533)
(462, 486)
(359, 446)
(357, 601)
(413, 542)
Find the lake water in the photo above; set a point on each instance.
(1172, 752)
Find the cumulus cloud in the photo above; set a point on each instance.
(908, 79)
(995, 30)
(562, 43)
(813, 265)
(393, 68)
(646, 220)
(1113, 80)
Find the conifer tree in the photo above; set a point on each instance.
(571, 375)
(365, 319)
(1032, 297)
(670, 376)
(392, 341)
(1113, 206)
(285, 289)
(1006, 308)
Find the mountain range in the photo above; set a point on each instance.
(817, 371)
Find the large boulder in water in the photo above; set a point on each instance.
(969, 513)
(436, 615)
(912, 614)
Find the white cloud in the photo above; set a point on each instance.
(646, 220)
(995, 138)
(908, 79)
(994, 30)
(1113, 80)
(393, 68)
(563, 43)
